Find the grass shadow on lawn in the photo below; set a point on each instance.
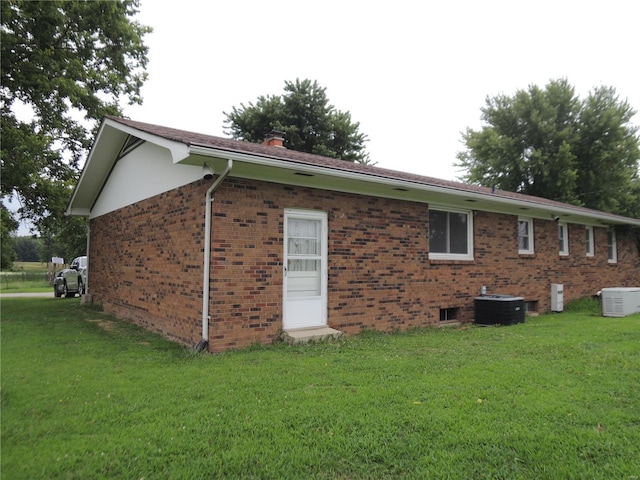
(96, 397)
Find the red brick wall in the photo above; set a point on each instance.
(503, 270)
(146, 263)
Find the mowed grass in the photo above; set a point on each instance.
(26, 277)
(85, 395)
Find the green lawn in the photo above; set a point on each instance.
(26, 277)
(87, 396)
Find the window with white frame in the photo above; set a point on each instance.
(611, 244)
(590, 248)
(563, 239)
(525, 235)
(450, 234)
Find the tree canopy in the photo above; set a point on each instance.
(549, 143)
(64, 65)
(7, 245)
(309, 122)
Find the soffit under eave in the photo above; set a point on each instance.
(326, 179)
(99, 163)
(104, 155)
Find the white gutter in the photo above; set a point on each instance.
(207, 255)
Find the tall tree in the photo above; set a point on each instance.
(550, 143)
(26, 248)
(608, 153)
(64, 65)
(309, 122)
(7, 251)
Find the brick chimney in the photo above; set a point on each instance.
(274, 139)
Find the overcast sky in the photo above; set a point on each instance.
(413, 74)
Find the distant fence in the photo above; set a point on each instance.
(7, 279)
(25, 276)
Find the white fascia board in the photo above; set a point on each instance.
(78, 212)
(87, 172)
(591, 217)
(103, 155)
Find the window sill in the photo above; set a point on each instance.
(442, 261)
(450, 257)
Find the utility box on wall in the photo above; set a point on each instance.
(557, 297)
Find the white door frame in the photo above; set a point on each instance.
(301, 310)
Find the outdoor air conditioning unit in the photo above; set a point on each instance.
(557, 297)
(499, 310)
(620, 302)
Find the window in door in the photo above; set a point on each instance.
(304, 257)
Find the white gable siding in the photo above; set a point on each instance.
(143, 173)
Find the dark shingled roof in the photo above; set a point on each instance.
(244, 147)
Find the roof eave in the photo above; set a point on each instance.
(559, 210)
(102, 157)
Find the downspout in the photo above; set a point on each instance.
(86, 297)
(207, 256)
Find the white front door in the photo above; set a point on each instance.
(305, 269)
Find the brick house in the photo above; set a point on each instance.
(291, 241)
